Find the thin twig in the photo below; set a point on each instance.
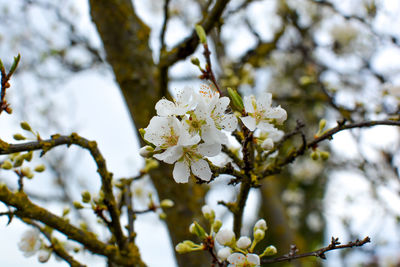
(320, 253)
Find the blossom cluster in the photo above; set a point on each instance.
(195, 125)
(238, 253)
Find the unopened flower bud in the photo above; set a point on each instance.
(201, 34)
(26, 171)
(324, 155)
(25, 126)
(19, 137)
(196, 229)
(166, 204)
(162, 216)
(261, 224)
(77, 205)
(216, 226)
(195, 61)
(40, 168)
(7, 165)
(66, 211)
(224, 253)
(185, 247)
(146, 151)
(208, 213)
(225, 237)
(259, 235)
(243, 242)
(322, 124)
(314, 155)
(86, 196)
(28, 156)
(270, 251)
(267, 144)
(44, 255)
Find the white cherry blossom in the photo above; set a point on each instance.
(260, 113)
(240, 260)
(30, 242)
(181, 148)
(268, 136)
(210, 117)
(181, 104)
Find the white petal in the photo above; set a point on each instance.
(170, 155)
(155, 130)
(248, 104)
(268, 144)
(221, 105)
(187, 140)
(210, 134)
(277, 113)
(201, 169)
(209, 150)
(236, 258)
(229, 122)
(165, 107)
(181, 172)
(264, 101)
(249, 122)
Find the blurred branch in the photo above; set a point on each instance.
(106, 176)
(55, 244)
(26, 209)
(276, 167)
(320, 253)
(188, 46)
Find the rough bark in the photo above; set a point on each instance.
(125, 38)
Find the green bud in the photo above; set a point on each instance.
(236, 99)
(15, 64)
(86, 197)
(28, 156)
(314, 155)
(201, 34)
(166, 204)
(77, 205)
(19, 137)
(7, 165)
(26, 171)
(142, 132)
(40, 168)
(18, 161)
(146, 151)
(259, 235)
(322, 124)
(216, 226)
(196, 229)
(195, 61)
(183, 247)
(162, 216)
(269, 251)
(66, 211)
(26, 126)
(324, 155)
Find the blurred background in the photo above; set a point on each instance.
(320, 59)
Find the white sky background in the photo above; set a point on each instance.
(99, 113)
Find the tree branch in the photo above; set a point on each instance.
(320, 253)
